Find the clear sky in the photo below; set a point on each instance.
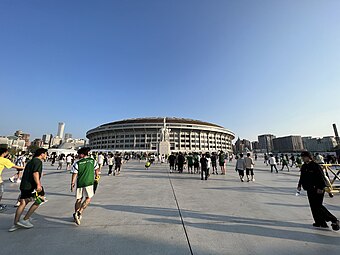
(253, 66)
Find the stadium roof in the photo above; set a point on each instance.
(160, 120)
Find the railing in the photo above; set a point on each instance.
(332, 174)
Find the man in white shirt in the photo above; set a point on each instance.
(249, 167)
(272, 163)
(100, 161)
(68, 162)
(241, 166)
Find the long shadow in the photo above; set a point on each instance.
(287, 205)
(225, 223)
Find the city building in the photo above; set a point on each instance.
(47, 138)
(72, 144)
(266, 142)
(324, 144)
(288, 144)
(255, 145)
(61, 128)
(242, 146)
(55, 142)
(13, 142)
(144, 134)
(37, 142)
(68, 136)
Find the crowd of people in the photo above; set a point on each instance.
(86, 167)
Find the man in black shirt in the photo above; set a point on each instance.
(204, 167)
(172, 160)
(180, 161)
(30, 182)
(313, 181)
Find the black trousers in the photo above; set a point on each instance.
(272, 168)
(320, 213)
(205, 171)
(180, 168)
(110, 169)
(250, 171)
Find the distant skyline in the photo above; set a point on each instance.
(254, 67)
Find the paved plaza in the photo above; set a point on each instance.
(152, 212)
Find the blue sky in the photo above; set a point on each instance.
(253, 66)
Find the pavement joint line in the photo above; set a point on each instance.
(180, 214)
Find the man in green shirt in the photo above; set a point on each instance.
(83, 175)
(30, 182)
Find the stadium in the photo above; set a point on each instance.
(144, 134)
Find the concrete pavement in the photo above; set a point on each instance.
(153, 212)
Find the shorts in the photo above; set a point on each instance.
(87, 192)
(222, 163)
(2, 189)
(26, 194)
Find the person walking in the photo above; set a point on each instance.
(272, 163)
(214, 163)
(249, 167)
(312, 180)
(5, 163)
(190, 160)
(204, 167)
(60, 162)
(221, 160)
(30, 182)
(68, 162)
(284, 164)
(110, 162)
(84, 173)
(180, 161)
(172, 161)
(20, 161)
(100, 161)
(240, 167)
(118, 164)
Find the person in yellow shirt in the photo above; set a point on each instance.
(5, 163)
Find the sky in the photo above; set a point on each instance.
(252, 66)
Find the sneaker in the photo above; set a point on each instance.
(2, 208)
(253, 180)
(336, 226)
(18, 181)
(12, 179)
(25, 224)
(76, 218)
(80, 216)
(13, 228)
(17, 204)
(317, 225)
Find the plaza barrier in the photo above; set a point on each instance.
(332, 177)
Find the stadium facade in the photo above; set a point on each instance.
(144, 134)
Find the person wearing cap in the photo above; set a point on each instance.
(313, 181)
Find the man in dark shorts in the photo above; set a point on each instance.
(214, 163)
(30, 182)
(172, 161)
(118, 164)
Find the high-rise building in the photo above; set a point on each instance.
(68, 136)
(255, 145)
(18, 133)
(324, 144)
(26, 137)
(47, 139)
(61, 128)
(266, 142)
(291, 143)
